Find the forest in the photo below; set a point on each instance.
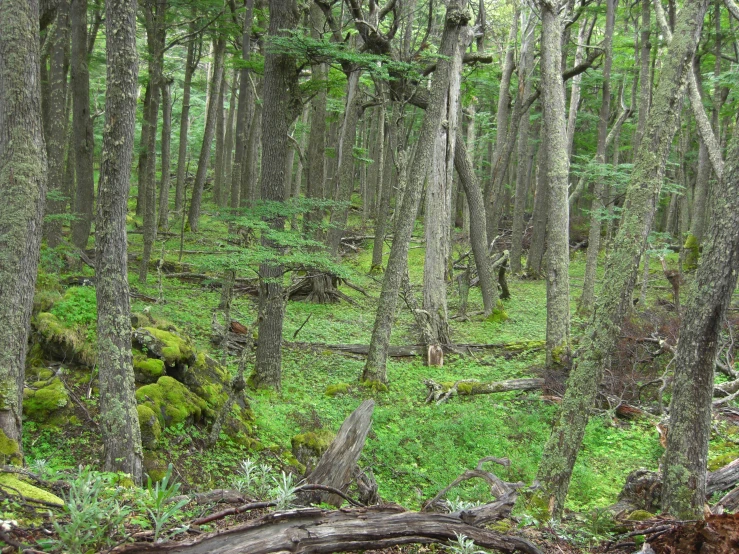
(389, 276)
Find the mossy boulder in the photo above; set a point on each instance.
(46, 402)
(13, 486)
(639, 515)
(206, 378)
(10, 452)
(61, 342)
(309, 447)
(338, 388)
(146, 370)
(171, 401)
(173, 349)
(151, 428)
(154, 466)
(43, 300)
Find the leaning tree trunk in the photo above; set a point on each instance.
(190, 66)
(456, 33)
(684, 483)
(84, 140)
(560, 451)
(119, 420)
(193, 215)
(56, 138)
(281, 107)
(558, 167)
(23, 186)
(587, 299)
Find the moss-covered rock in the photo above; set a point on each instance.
(309, 447)
(171, 401)
(374, 386)
(639, 515)
(13, 486)
(174, 348)
(338, 388)
(147, 370)
(154, 466)
(151, 428)
(10, 452)
(208, 379)
(43, 300)
(46, 402)
(60, 342)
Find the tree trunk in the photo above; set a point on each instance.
(56, 138)
(541, 213)
(229, 142)
(684, 488)
(84, 140)
(455, 33)
(244, 111)
(164, 184)
(575, 90)
(560, 451)
(384, 183)
(220, 143)
(23, 186)
(558, 166)
(645, 83)
(250, 191)
(143, 162)
(282, 106)
(193, 215)
(525, 67)
(119, 420)
(154, 13)
(190, 66)
(587, 299)
(343, 184)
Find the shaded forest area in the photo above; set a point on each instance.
(349, 275)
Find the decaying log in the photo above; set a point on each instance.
(337, 464)
(312, 530)
(441, 392)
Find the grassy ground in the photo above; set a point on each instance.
(414, 449)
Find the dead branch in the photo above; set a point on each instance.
(441, 392)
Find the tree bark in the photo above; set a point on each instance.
(220, 143)
(540, 214)
(84, 140)
(684, 489)
(560, 451)
(384, 184)
(456, 33)
(119, 420)
(23, 186)
(282, 106)
(193, 215)
(229, 142)
(56, 138)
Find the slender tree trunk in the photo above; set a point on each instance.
(210, 129)
(645, 83)
(454, 40)
(244, 111)
(220, 143)
(119, 420)
(384, 183)
(56, 138)
(84, 140)
(575, 90)
(250, 191)
(344, 182)
(684, 482)
(23, 186)
(558, 248)
(525, 67)
(560, 451)
(143, 162)
(282, 106)
(190, 65)
(164, 184)
(540, 214)
(229, 141)
(587, 299)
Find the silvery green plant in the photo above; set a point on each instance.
(158, 501)
(284, 492)
(463, 545)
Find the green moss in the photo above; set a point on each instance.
(151, 429)
(338, 388)
(171, 401)
(61, 342)
(174, 348)
(209, 380)
(639, 515)
(375, 386)
(502, 526)
(292, 461)
(154, 466)
(9, 450)
(465, 388)
(43, 300)
(41, 404)
(499, 314)
(147, 370)
(722, 460)
(13, 486)
(309, 447)
(692, 252)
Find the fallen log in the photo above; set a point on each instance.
(441, 392)
(412, 350)
(312, 530)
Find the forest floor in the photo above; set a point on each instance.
(414, 448)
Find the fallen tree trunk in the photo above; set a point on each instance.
(313, 530)
(441, 392)
(411, 350)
